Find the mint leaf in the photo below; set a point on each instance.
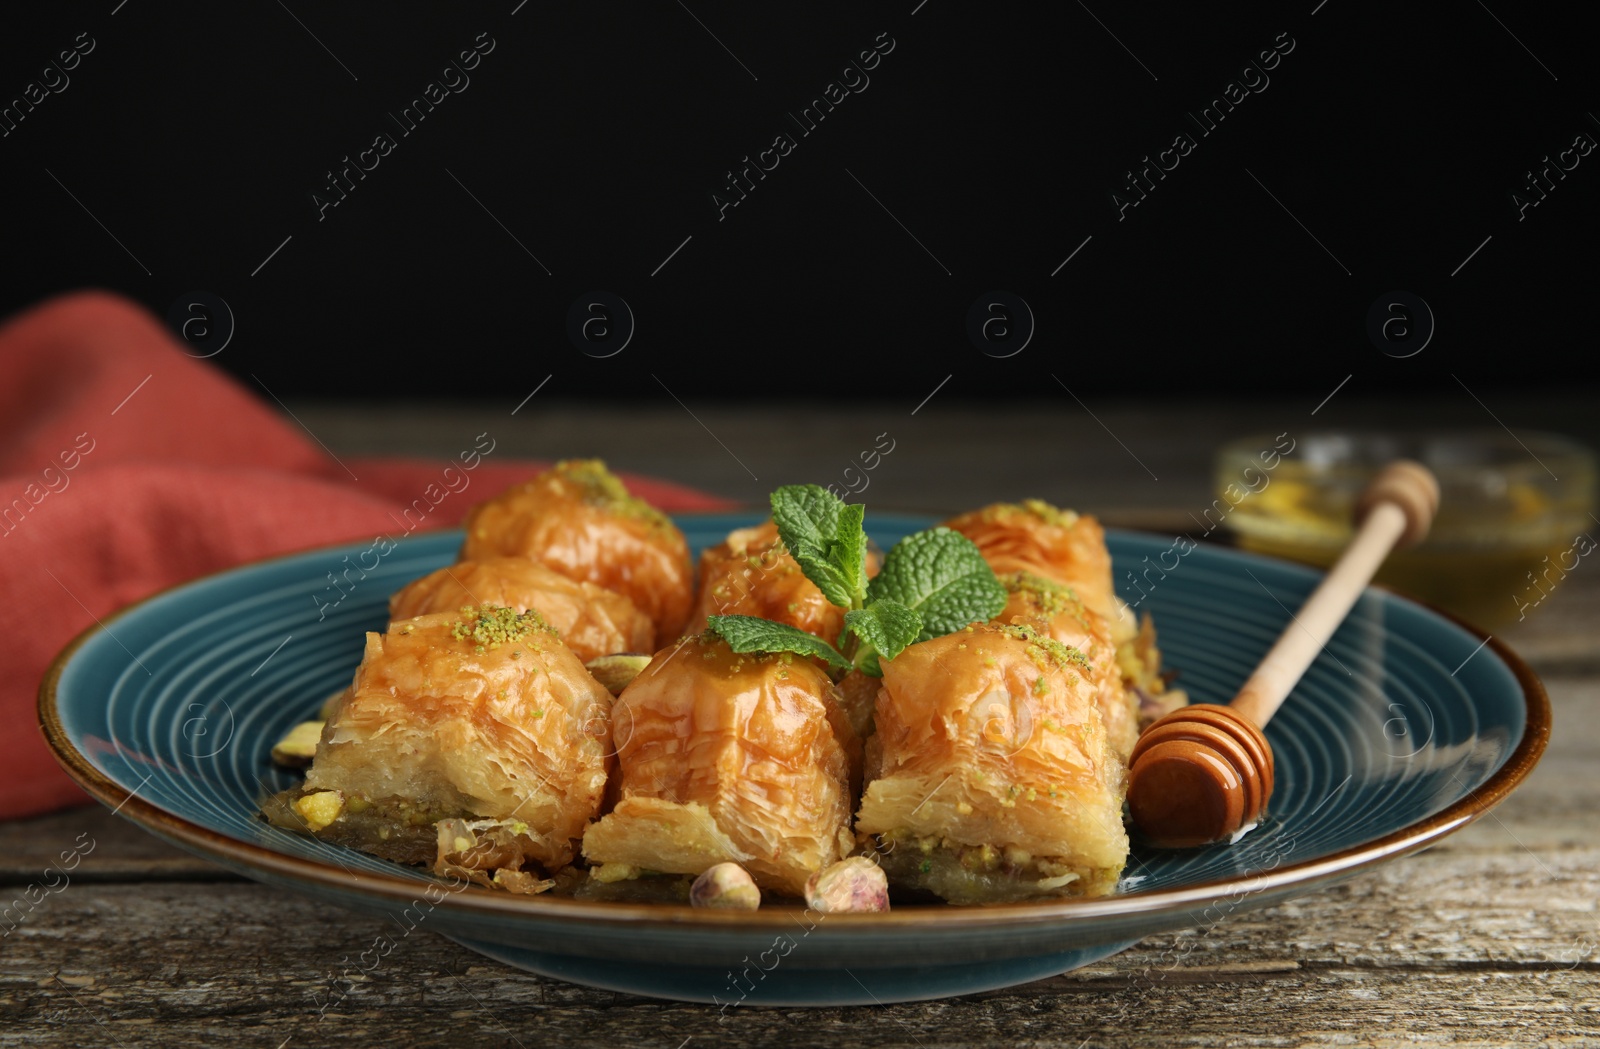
(838, 567)
(848, 552)
(940, 575)
(885, 626)
(820, 569)
(826, 539)
(752, 634)
(807, 515)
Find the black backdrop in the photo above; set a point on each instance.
(1373, 152)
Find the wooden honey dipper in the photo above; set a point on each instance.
(1205, 771)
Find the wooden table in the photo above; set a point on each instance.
(1490, 938)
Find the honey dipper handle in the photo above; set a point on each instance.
(1394, 511)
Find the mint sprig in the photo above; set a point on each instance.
(942, 576)
(825, 537)
(884, 629)
(933, 582)
(886, 626)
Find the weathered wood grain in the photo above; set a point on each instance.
(1420, 942)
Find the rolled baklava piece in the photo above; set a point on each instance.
(1068, 548)
(724, 757)
(578, 519)
(473, 742)
(995, 781)
(591, 620)
(753, 574)
(1055, 611)
(1059, 545)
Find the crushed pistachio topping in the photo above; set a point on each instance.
(1050, 597)
(1038, 508)
(1050, 514)
(598, 483)
(491, 626)
(602, 488)
(1047, 649)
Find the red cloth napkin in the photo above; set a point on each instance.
(127, 466)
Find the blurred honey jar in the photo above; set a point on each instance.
(1516, 513)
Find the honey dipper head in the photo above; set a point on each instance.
(1410, 486)
(1199, 775)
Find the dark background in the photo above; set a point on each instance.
(596, 134)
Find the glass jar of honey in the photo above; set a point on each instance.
(1516, 513)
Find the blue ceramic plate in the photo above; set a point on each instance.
(1407, 727)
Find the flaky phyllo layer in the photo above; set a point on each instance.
(481, 717)
(752, 574)
(1056, 612)
(578, 519)
(591, 620)
(729, 758)
(1037, 542)
(1037, 538)
(990, 743)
